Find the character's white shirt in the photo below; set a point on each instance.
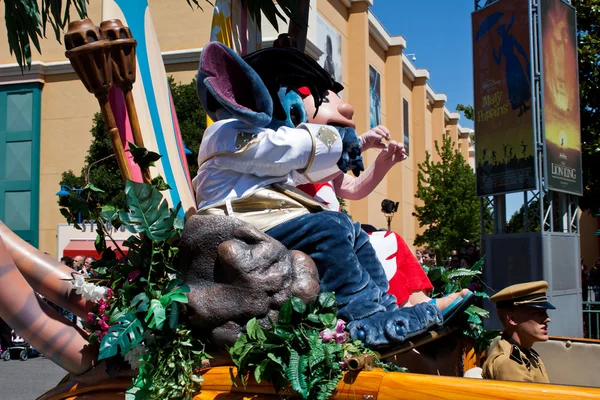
(237, 159)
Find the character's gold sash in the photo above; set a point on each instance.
(268, 207)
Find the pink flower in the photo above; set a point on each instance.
(133, 274)
(105, 318)
(341, 326)
(109, 294)
(103, 325)
(340, 337)
(103, 306)
(91, 318)
(326, 335)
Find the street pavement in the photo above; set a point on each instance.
(26, 380)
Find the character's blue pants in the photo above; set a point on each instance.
(348, 266)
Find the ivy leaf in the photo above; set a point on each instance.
(143, 157)
(326, 300)
(254, 330)
(435, 273)
(100, 242)
(285, 313)
(298, 305)
(260, 370)
(148, 212)
(329, 320)
(125, 334)
(478, 311)
(174, 316)
(93, 188)
(313, 318)
(160, 183)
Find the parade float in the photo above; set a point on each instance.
(206, 306)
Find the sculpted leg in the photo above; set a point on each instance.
(44, 328)
(46, 276)
(348, 266)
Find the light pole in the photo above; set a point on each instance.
(389, 208)
(65, 191)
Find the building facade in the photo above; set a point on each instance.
(49, 113)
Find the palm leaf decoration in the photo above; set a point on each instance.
(126, 334)
(26, 20)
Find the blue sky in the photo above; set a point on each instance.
(439, 33)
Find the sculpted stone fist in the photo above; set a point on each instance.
(235, 273)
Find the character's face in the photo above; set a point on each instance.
(333, 111)
(531, 324)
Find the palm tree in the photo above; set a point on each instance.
(26, 20)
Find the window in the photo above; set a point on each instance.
(406, 125)
(20, 107)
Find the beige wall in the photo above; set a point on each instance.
(177, 25)
(67, 109)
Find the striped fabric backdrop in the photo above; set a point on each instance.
(158, 121)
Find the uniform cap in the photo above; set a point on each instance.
(530, 294)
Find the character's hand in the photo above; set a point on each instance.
(375, 138)
(351, 158)
(392, 154)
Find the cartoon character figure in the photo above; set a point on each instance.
(252, 155)
(408, 281)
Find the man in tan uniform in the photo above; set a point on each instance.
(522, 309)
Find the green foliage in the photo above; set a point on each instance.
(517, 221)
(343, 206)
(588, 39)
(126, 333)
(446, 281)
(450, 210)
(293, 355)
(26, 23)
(271, 12)
(140, 317)
(148, 212)
(105, 173)
(467, 111)
(191, 118)
(170, 369)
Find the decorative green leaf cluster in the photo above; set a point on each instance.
(170, 368)
(291, 354)
(148, 212)
(26, 21)
(446, 281)
(143, 315)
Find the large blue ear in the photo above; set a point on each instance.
(225, 81)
